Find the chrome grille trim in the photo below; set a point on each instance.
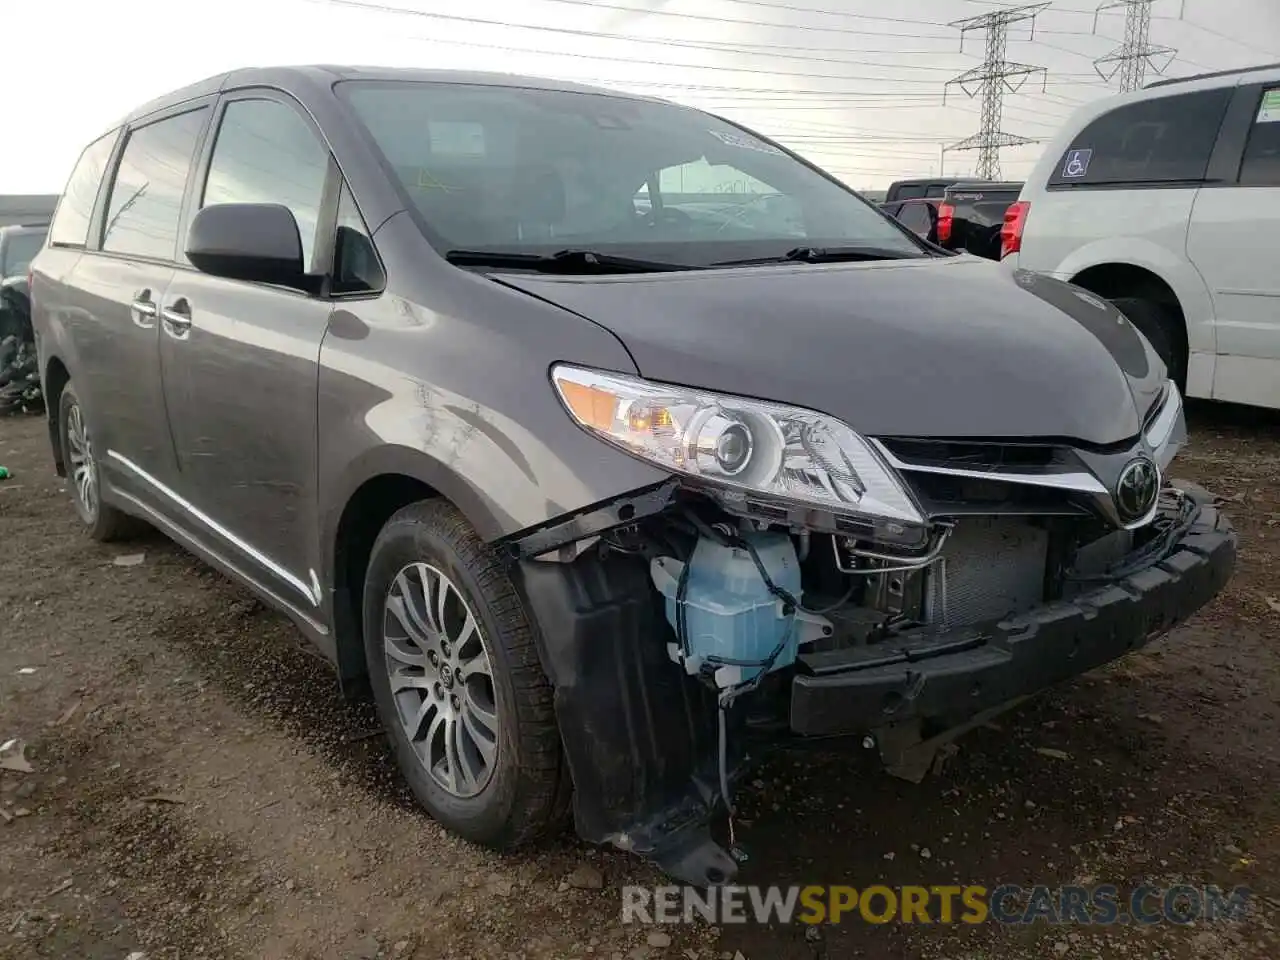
(1076, 481)
(1161, 426)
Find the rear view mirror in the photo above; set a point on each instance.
(258, 242)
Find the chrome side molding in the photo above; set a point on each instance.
(310, 591)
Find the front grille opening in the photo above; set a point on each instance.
(941, 494)
(968, 455)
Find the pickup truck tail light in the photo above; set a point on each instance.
(1015, 221)
(946, 215)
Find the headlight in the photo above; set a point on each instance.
(768, 448)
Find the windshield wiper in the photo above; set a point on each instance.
(563, 261)
(822, 255)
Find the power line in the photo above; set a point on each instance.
(738, 49)
(648, 61)
(372, 6)
(1222, 36)
(744, 46)
(993, 78)
(618, 8)
(1130, 60)
(890, 95)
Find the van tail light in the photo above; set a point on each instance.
(1015, 221)
(946, 214)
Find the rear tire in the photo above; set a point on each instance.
(101, 521)
(1159, 326)
(456, 686)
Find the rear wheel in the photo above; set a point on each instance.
(458, 684)
(102, 521)
(1159, 326)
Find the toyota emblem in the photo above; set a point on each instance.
(1137, 489)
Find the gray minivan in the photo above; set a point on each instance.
(607, 441)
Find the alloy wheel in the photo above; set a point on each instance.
(84, 468)
(441, 679)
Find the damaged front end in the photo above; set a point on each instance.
(894, 589)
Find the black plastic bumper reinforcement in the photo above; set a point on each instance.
(943, 679)
(639, 734)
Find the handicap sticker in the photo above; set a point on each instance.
(1270, 110)
(1076, 165)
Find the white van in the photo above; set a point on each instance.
(1166, 201)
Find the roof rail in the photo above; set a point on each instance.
(1210, 76)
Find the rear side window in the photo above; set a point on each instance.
(265, 152)
(146, 197)
(917, 218)
(1261, 166)
(914, 191)
(75, 209)
(1164, 140)
(935, 190)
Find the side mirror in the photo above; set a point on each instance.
(258, 242)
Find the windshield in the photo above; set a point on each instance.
(18, 250)
(535, 171)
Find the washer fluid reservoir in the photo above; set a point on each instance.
(729, 612)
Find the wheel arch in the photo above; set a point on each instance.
(1104, 266)
(1115, 280)
(55, 378)
(371, 490)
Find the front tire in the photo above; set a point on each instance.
(101, 521)
(457, 681)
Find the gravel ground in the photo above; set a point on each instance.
(200, 790)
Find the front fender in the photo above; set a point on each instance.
(507, 468)
(405, 461)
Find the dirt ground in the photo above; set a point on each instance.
(200, 790)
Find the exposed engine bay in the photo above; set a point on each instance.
(796, 579)
(685, 630)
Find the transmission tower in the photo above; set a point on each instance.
(995, 77)
(1131, 59)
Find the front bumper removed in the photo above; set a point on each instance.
(943, 679)
(640, 736)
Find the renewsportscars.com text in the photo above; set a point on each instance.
(1009, 903)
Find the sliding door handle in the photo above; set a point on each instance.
(177, 319)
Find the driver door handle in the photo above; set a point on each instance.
(177, 319)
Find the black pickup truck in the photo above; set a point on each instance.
(971, 215)
(920, 189)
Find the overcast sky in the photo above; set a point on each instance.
(858, 90)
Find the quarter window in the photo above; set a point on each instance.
(266, 153)
(1261, 166)
(146, 196)
(75, 210)
(1161, 140)
(356, 268)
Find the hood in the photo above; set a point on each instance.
(953, 347)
